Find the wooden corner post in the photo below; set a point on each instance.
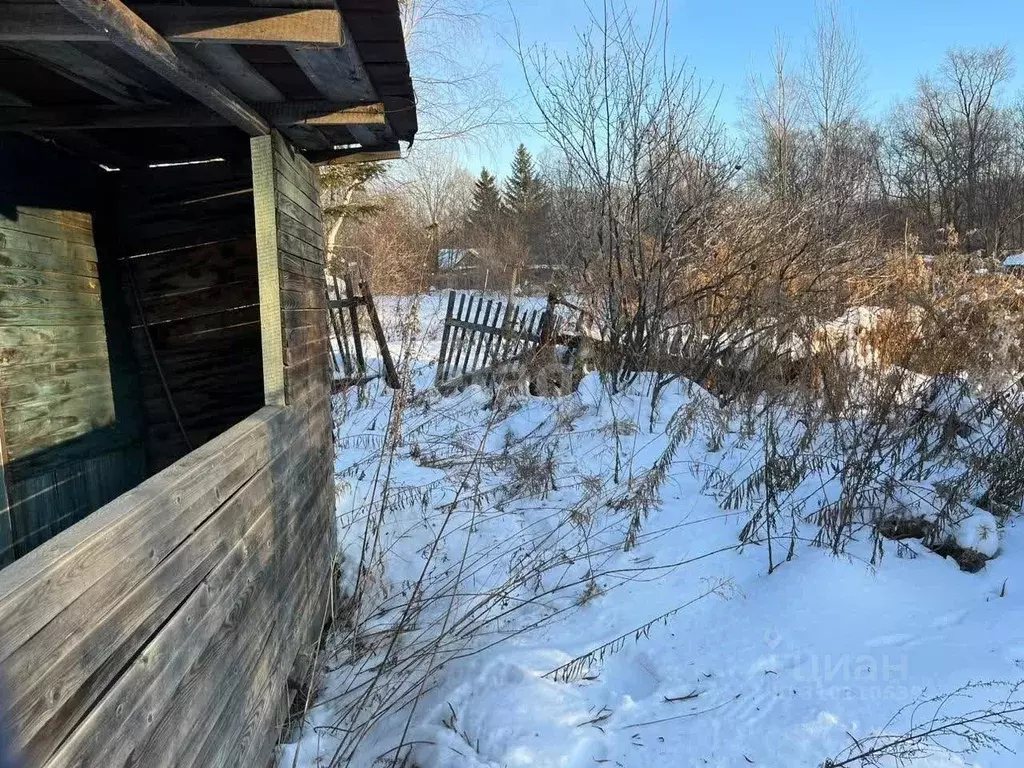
(269, 272)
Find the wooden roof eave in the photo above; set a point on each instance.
(212, 72)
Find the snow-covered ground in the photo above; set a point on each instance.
(531, 636)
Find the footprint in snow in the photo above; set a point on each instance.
(887, 641)
(948, 619)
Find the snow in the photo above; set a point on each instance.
(700, 657)
(979, 532)
(1014, 260)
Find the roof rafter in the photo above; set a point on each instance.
(311, 27)
(125, 29)
(281, 114)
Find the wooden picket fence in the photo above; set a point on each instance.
(351, 369)
(483, 336)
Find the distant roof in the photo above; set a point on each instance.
(1014, 260)
(453, 258)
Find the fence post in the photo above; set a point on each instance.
(353, 313)
(340, 332)
(443, 358)
(547, 330)
(390, 373)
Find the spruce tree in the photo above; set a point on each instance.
(487, 209)
(526, 200)
(524, 192)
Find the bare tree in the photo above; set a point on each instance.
(949, 142)
(438, 190)
(774, 115)
(833, 77)
(459, 91)
(642, 161)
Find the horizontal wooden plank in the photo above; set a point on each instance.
(177, 207)
(297, 265)
(316, 27)
(18, 298)
(295, 354)
(202, 302)
(57, 225)
(285, 206)
(296, 247)
(81, 220)
(306, 230)
(186, 332)
(38, 384)
(49, 316)
(81, 449)
(39, 587)
(133, 702)
(243, 739)
(294, 167)
(219, 548)
(301, 318)
(43, 353)
(18, 337)
(81, 404)
(34, 437)
(180, 233)
(47, 261)
(287, 189)
(203, 187)
(194, 268)
(232, 653)
(209, 619)
(16, 242)
(34, 279)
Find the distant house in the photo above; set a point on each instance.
(466, 269)
(462, 269)
(457, 259)
(1014, 264)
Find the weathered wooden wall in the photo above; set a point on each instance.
(162, 629)
(184, 240)
(62, 454)
(290, 236)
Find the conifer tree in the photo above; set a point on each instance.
(487, 209)
(524, 192)
(526, 200)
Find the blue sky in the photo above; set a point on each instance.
(726, 39)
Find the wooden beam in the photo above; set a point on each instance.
(242, 78)
(313, 27)
(323, 113)
(192, 116)
(87, 71)
(135, 37)
(264, 190)
(350, 156)
(338, 74)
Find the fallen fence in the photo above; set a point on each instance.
(349, 365)
(484, 337)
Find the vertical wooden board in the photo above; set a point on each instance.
(390, 372)
(353, 313)
(483, 336)
(453, 352)
(6, 532)
(476, 334)
(442, 359)
(271, 331)
(494, 338)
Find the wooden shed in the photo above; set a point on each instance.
(167, 529)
